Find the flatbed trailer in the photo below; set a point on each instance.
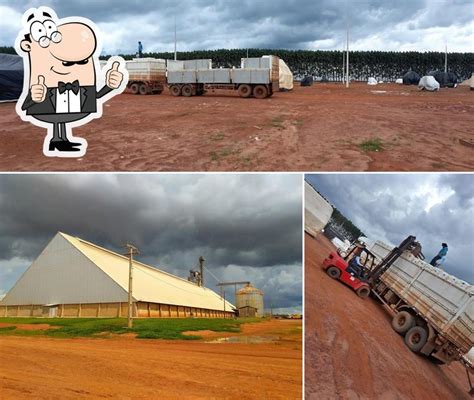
(257, 77)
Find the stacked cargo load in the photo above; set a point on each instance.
(258, 77)
(146, 75)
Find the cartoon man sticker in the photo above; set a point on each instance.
(60, 84)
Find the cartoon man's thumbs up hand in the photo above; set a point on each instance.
(39, 90)
(113, 78)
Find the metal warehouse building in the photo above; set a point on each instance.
(75, 278)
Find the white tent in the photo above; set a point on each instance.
(286, 76)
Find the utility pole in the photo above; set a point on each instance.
(201, 270)
(347, 58)
(131, 251)
(446, 58)
(343, 65)
(175, 41)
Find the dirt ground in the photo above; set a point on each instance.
(319, 128)
(127, 368)
(351, 351)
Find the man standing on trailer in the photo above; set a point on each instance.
(140, 50)
(441, 256)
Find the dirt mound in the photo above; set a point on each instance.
(353, 353)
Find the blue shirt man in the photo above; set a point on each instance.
(140, 49)
(440, 256)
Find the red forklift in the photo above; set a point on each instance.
(362, 273)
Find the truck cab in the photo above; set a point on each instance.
(340, 265)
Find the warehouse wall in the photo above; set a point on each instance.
(317, 211)
(104, 310)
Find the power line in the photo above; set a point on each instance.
(215, 277)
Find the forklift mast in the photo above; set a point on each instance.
(409, 243)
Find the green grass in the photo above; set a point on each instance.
(214, 156)
(372, 145)
(277, 122)
(170, 329)
(218, 137)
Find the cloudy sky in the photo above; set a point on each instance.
(293, 24)
(248, 227)
(434, 208)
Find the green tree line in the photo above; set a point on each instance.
(383, 65)
(340, 221)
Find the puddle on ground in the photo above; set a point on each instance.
(245, 339)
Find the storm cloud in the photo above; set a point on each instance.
(423, 25)
(434, 208)
(248, 227)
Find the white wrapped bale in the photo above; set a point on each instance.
(372, 82)
(429, 83)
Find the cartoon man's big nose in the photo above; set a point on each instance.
(62, 78)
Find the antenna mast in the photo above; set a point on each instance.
(175, 41)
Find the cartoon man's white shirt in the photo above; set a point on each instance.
(68, 102)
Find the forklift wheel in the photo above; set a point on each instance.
(334, 273)
(363, 292)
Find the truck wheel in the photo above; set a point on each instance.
(402, 322)
(187, 90)
(175, 90)
(334, 273)
(143, 89)
(363, 292)
(245, 91)
(416, 338)
(135, 88)
(260, 92)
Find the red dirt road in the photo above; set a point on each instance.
(127, 368)
(319, 128)
(351, 351)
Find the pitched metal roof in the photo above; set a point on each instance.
(71, 270)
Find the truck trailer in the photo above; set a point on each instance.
(257, 77)
(146, 75)
(432, 309)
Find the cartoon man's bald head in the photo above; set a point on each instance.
(59, 52)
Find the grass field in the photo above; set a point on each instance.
(170, 329)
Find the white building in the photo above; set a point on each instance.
(75, 278)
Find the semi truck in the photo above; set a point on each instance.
(257, 77)
(432, 310)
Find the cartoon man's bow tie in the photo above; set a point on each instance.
(69, 86)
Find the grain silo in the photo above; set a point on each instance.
(250, 296)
